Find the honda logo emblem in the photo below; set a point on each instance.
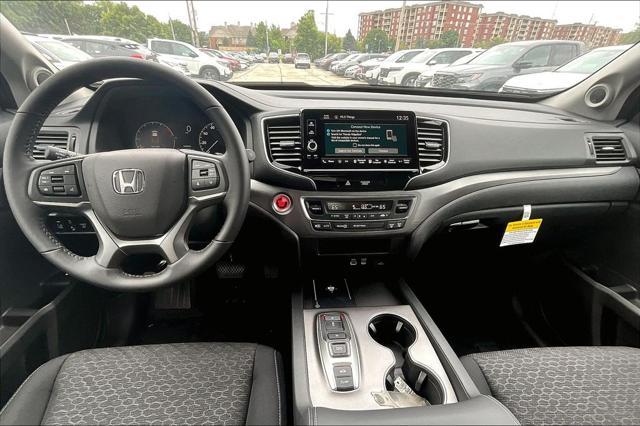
(128, 181)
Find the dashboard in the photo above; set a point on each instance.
(379, 172)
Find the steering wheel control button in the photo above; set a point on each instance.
(59, 181)
(204, 175)
(282, 204)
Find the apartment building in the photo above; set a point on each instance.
(512, 27)
(427, 21)
(593, 35)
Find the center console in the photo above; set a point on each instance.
(365, 351)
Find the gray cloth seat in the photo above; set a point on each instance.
(186, 383)
(562, 385)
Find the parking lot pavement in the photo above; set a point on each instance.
(287, 73)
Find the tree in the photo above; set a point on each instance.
(308, 39)
(261, 37)
(631, 37)
(349, 41)
(376, 41)
(487, 44)
(251, 40)
(276, 39)
(450, 38)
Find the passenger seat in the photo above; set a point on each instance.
(562, 385)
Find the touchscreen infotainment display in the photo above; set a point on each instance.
(365, 139)
(359, 140)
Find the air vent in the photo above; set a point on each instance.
(284, 141)
(608, 148)
(57, 138)
(432, 143)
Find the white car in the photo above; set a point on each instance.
(399, 57)
(302, 60)
(335, 64)
(351, 71)
(198, 63)
(59, 53)
(425, 78)
(407, 73)
(567, 75)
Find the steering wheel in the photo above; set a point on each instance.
(138, 201)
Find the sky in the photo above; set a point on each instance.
(343, 15)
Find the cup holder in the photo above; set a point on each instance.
(398, 335)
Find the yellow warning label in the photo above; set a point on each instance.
(520, 232)
(524, 224)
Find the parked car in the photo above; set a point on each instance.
(490, 70)
(355, 60)
(319, 60)
(425, 78)
(398, 57)
(365, 66)
(60, 54)
(104, 47)
(274, 58)
(565, 76)
(226, 59)
(302, 60)
(287, 58)
(405, 74)
(326, 63)
(351, 71)
(200, 64)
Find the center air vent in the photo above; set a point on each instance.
(284, 143)
(432, 143)
(607, 148)
(50, 137)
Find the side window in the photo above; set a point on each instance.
(459, 54)
(161, 47)
(181, 50)
(537, 57)
(562, 54)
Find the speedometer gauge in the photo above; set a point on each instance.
(155, 134)
(210, 140)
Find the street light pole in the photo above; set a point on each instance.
(326, 29)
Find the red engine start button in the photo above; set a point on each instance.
(282, 203)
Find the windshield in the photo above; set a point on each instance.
(260, 42)
(591, 62)
(62, 51)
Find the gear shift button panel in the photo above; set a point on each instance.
(338, 351)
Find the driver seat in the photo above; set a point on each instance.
(184, 383)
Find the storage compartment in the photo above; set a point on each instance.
(398, 335)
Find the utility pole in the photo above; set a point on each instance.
(173, 33)
(400, 24)
(326, 28)
(67, 24)
(266, 30)
(191, 12)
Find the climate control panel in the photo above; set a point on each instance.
(357, 215)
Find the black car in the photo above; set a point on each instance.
(104, 47)
(491, 69)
